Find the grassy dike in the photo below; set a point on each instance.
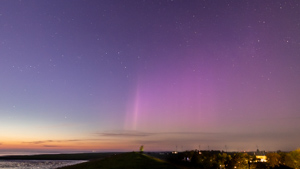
(131, 160)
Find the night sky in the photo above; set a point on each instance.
(112, 75)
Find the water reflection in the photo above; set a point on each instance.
(36, 164)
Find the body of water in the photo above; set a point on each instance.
(37, 164)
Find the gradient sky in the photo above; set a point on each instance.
(113, 75)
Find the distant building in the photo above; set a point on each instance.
(260, 156)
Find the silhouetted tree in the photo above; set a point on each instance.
(292, 159)
(222, 158)
(196, 159)
(239, 160)
(273, 159)
(141, 149)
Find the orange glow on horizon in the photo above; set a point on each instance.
(69, 145)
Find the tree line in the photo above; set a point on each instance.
(236, 160)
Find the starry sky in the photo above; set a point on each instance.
(167, 74)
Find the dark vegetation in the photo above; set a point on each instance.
(232, 160)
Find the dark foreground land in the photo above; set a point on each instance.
(131, 160)
(166, 160)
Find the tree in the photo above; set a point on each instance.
(273, 159)
(292, 159)
(141, 149)
(196, 158)
(222, 158)
(239, 160)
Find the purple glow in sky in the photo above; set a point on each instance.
(113, 75)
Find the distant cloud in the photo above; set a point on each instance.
(131, 133)
(50, 146)
(188, 133)
(125, 134)
(52, 141)
(191, 140)
(39, 142)
(162, 138)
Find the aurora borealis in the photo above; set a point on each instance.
(114, 75)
